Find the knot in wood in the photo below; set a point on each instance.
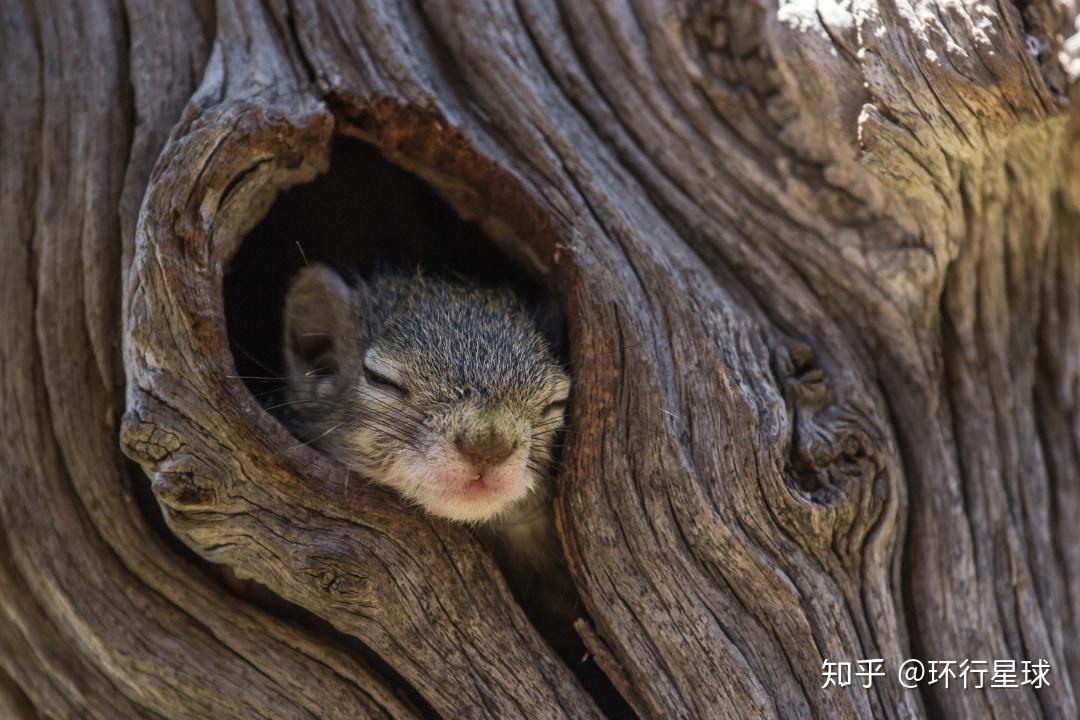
(801, 378)
(834, 448)
(831, 455)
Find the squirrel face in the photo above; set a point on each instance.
(446, 392)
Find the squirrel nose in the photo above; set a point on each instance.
(485, 447)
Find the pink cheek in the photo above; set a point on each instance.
(450, 479)
(504, 479)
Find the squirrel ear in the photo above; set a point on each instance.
(320, 325)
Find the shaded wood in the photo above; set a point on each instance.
(821, 274)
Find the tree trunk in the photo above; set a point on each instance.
(821, 274)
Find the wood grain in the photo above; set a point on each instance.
(820, 269)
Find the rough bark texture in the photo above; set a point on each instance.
(821, 272)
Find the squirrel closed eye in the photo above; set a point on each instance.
(445, 391)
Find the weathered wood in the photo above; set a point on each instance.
(821, 273)
(100, 617)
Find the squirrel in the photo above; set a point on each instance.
(444, 391)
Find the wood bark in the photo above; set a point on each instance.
(821, 273)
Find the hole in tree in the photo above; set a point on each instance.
(365, 215)
(362, 214)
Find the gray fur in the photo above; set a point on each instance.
(474, 366)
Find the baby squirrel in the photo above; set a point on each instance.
(444, 391)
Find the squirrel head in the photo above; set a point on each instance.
(444, 391)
